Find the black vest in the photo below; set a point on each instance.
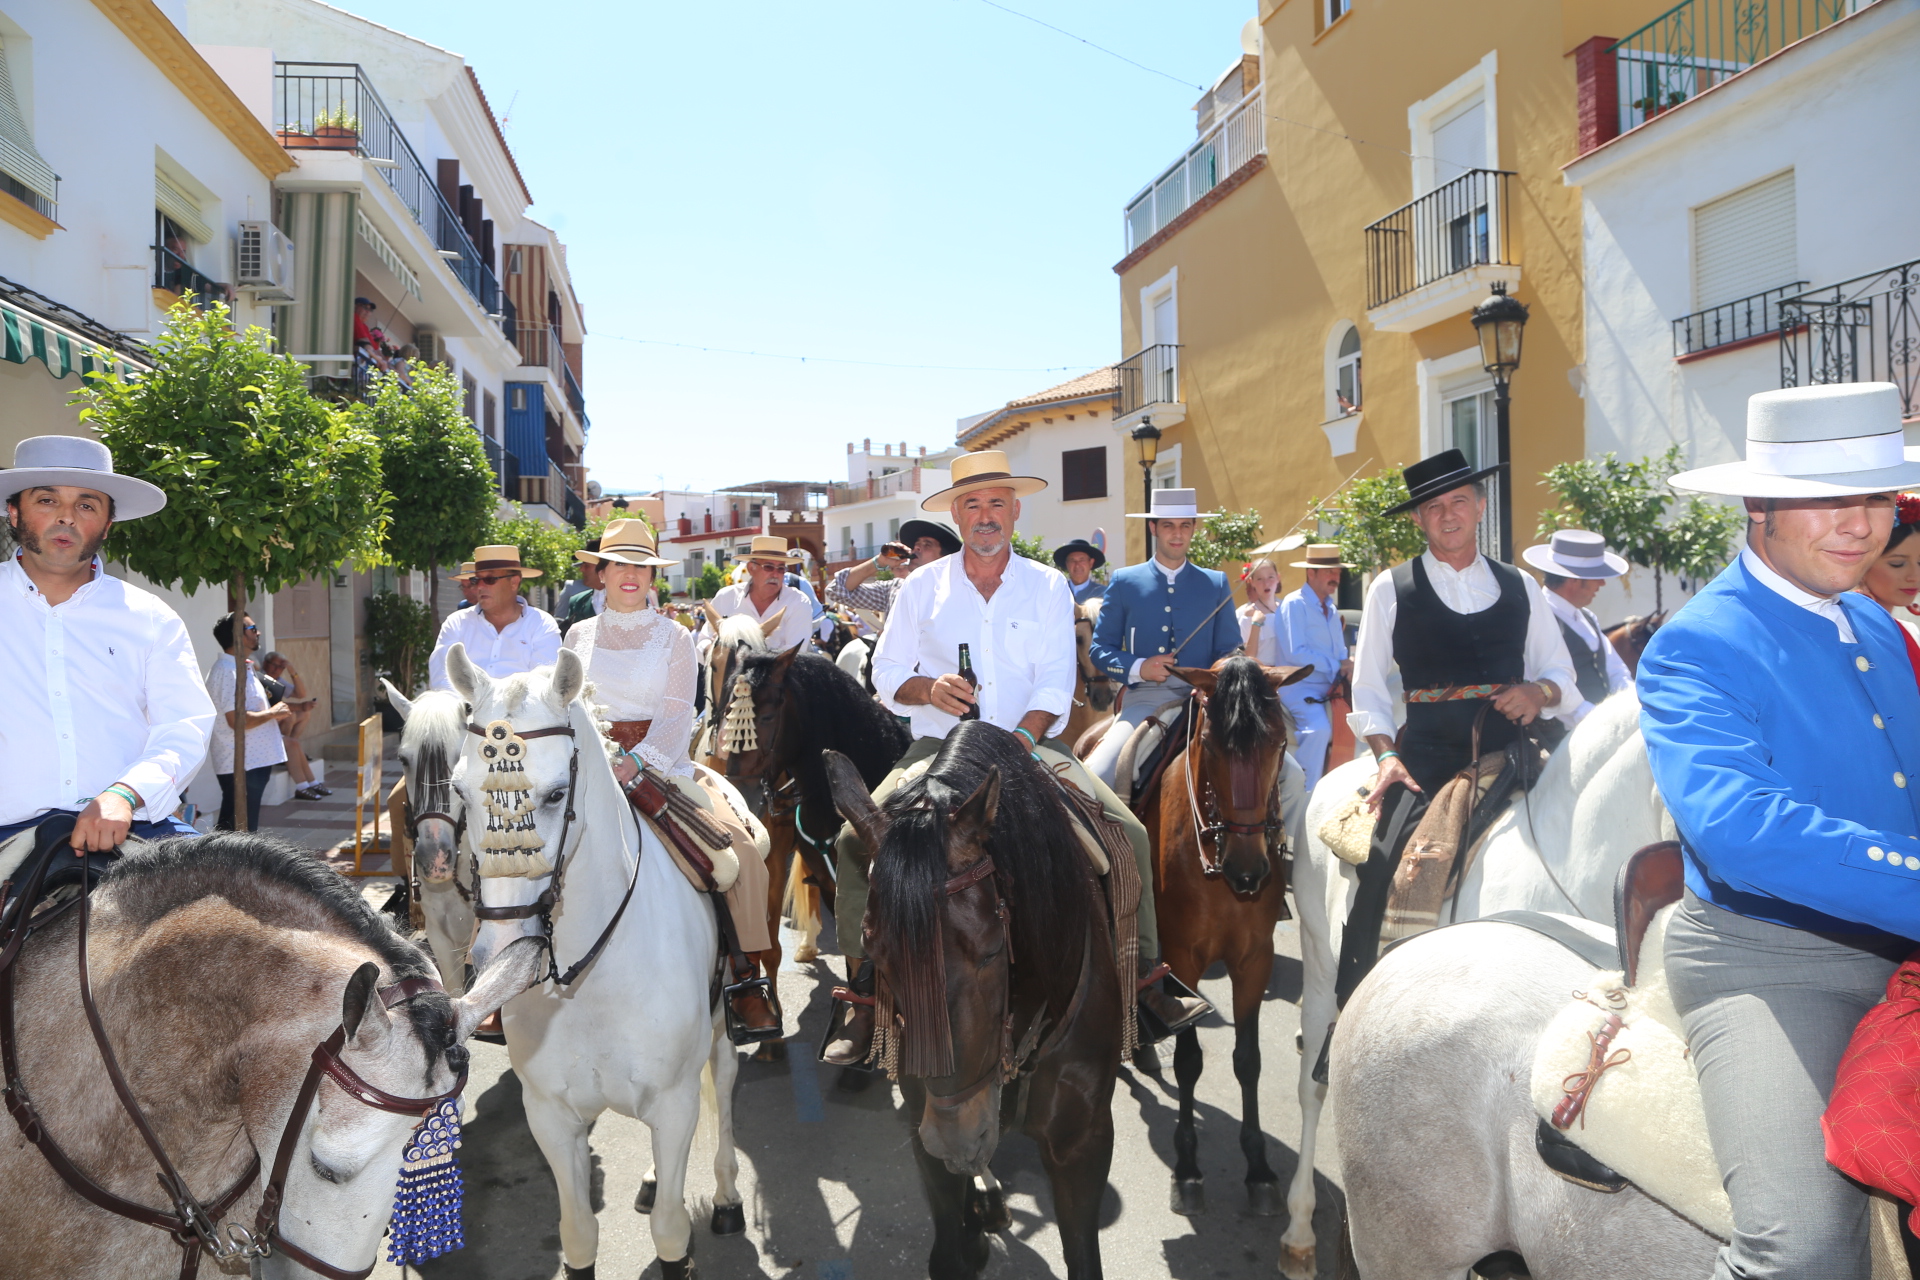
(1589, 666)
(1436, 648)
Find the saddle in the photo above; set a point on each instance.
(1151, 747)
(39, 865)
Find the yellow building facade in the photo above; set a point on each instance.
(1298, 289)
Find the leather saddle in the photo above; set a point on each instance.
(1152, 747)
(39, 863)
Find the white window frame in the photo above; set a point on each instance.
(1166, 468)
(1167, 286)
(1424, 115)
(1331, 372)
(1327, 15)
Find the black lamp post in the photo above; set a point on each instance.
(1499, 322)
(1147, 436)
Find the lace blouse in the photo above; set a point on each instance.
(643, 667)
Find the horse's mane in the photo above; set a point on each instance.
(832, 712)
(1039, 865)
(272, 879)
(1244, 713)
(741, 631)
(439, 718)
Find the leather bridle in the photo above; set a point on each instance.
(437, 795)
(194, 1224)
(1242, 785)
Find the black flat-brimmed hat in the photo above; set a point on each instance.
(911, 531)
(1060, 553)
(1444, 472)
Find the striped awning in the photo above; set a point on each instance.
(25, 336)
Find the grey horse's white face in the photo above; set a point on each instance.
(431, 743)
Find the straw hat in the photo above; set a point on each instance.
(77, 462)
(1575, 553)
(1173, 504)
(986, 469)
(769, 546)
(1321, 555)
(466, 571)
(626, 542)
(501, 560)
(1816, 442)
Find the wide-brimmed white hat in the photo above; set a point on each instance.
(769, 546)
(982, 469)
(77, 462)
(1816, 442)
(626, 542)
(1575, 553)
(1173, 504)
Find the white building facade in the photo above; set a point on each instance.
(882, 491)
(1065, 435)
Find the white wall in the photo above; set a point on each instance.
(1036, 452)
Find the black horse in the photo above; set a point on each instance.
(990, 935)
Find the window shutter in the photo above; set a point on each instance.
(183, 209)
(18, 157)
(1743, 243)
(1083, 473)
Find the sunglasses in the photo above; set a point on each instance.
(490, 578)
(252, 629)
(765, 566)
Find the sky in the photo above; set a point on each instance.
(897, 182)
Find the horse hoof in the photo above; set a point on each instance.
(853, 1080)
(1297, 1262)
(1189, 1197)
(987, 1210)
(805, 955)
(643, 1203)
(677, 1269)
(729, 1219)
(1264, 1199)
(579, 1273)
(1146, 1059)
(770, 1051)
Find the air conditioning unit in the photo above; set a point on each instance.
(265, 265)
(433, 350)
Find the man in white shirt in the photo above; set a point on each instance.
(503, 633)
(105, 713)
(1016, 619)
(766, 592)
(264, 716)
(1575, 564)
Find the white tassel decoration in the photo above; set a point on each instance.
(741, 731)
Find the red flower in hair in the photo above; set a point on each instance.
(1907, 507)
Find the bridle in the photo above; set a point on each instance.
(436, 798)
(194, 1224)
(1243, 791)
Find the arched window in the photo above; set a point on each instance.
(1343, 372)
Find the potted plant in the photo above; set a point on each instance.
(336, 130)
(294, 138)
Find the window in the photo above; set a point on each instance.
(470, 398)
(513, 262)
(1744, 243)
(1083, 473)
(24, 175)
(491, 423)
(893, 529)
(1343, 388)
(1338, 9)
(1472, 429)
(1166, 468)
(868, 544)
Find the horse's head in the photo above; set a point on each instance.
(734, 638)
(1233, 779)
(431, 742)
(754, 735)
(1630, 638)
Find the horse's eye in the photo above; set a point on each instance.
(324, 1171)
(556, 795)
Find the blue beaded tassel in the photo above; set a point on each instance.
(426, 1206)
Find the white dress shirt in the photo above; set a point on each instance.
(1020, 641)
(265, 746)
(1618, 677)
(100, 689)
(1468, 590)
(796, 627)
(1826, 606)
(532, 640)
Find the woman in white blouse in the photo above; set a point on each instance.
(1260, 615)
(643, 668)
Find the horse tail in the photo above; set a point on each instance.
(801, 904)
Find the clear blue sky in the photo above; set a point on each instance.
(904, 181)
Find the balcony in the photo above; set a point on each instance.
(1732, 324)
(177, 276)
(1150, 384)
(1226, 148)
(1701, 43)
(1437, 256)
(330, 106)
(906, 480)
(539, 345)
(552, 490)
(1862, 330)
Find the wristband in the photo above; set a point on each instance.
(1386, 755)
(1022, 731)
(125, 792)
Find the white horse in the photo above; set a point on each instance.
(639, 1022)
(1559, 848)
(432, 741)
(852, 658)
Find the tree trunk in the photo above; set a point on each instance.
(433, 599)
(237, 605)
(1656, 591)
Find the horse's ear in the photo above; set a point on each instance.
(1201, 678)
(785, 661)
(399, 701)
(854, 801)
(713, 614)
(506, 976)
(771, 623)
(469, 681)
(972, 822)
(569, 676)
(362, 1013)
(1281, 677)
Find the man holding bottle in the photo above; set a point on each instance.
(1012, 618)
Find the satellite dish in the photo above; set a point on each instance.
(1250, 38)
(593, 490)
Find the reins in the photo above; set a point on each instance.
(1213, 824)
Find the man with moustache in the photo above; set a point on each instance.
(1016, 618)
(102, 709)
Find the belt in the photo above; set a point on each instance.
(630, 733)
(1457, 693)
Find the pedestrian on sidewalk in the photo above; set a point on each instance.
(265, 747)
(280, 668)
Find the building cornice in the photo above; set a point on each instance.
(1011, 421)
(26, 217)
(154, 34)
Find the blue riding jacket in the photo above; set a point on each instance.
(1143, 615)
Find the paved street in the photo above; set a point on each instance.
(829, 1180)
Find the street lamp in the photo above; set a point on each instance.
(1499, 322)
(1147, 436)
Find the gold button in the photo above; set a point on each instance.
(1862, 663)
(1899, 779)
(1877, 853)
(1878, 723)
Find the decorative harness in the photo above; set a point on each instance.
(437, 794)
(193, 1224)
(1241, 785)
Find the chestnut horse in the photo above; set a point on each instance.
(1629, 639)
(1093, 690)
(1220, 886)
(990, 937)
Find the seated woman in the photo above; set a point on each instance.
(1894, 579)
(643, 670)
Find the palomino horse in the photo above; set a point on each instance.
(228, 972)
(1630, 638)
(1559, 848)
(1093, 691)
(628, 1017)
(990, 937)
(432, 740)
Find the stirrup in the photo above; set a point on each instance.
(739, 1032)
(840, 1003)
(1154, 1028)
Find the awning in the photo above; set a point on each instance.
(25, 335)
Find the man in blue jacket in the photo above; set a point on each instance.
(1783, 725)
(1163, 614)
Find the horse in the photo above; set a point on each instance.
(1559, 848)
(733, 637)
(629, 1016)
(990, 936)
(1093, 691)
(1629, 639)
(1220, 888)
(228, 973)
(432, 738)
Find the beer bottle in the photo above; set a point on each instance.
(966, 673)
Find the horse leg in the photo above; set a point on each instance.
(1263, 1185)
(672, 1123)
(729, 1216)
(562, 1134)
(987, 1203)
(1189, 1185)
(768, 961)
(1076, 1148)
(1312, 872)
(960, 1250)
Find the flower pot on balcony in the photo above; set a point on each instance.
(1343, 434)
(331, 137)
(297, 140)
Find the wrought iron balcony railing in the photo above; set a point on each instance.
(1861, 330)
(496, 457)
(552, 490)
(1236, 139)
(1699, 43)
(1451, 228)
(575, 396)
(47, 206)
(905, 480)
(1754, 317)
(1149, 376)
(176, 275)
(539, 344)
(330, 106)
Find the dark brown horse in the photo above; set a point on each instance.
(1093, 691)
(1629, 639)
(1219, 887)
(990, 936)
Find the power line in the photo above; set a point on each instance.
(871, 364)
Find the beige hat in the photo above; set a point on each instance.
(501, 560)
(626, 542)
(770, 546)
(466, 571)
(986, 469)
(1321, 555)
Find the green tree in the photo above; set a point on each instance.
(400, 634)
(436, 470)
(1632, 506)
(266, 486)
(1227, 536)
(542, 546)
(1369, 538)
(1033, 548)
(708, 584)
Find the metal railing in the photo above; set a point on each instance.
(575, 396)
(1699, 43)
(1737, 321)
(1449, 229)
(496, 458)
(47, 207)
(330, 106)
(906, 480)
(1236, 139)
(1149, 376)
(539, 344)
(176, 275)
(552, 490)
(1862, 330)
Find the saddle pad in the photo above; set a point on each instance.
(1643, 1115)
